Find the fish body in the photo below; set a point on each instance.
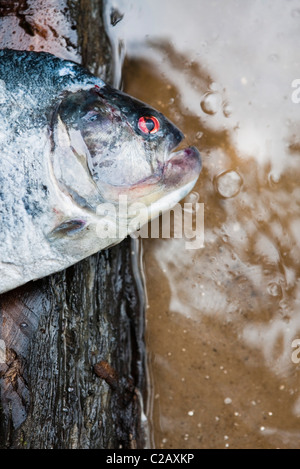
(72, 147)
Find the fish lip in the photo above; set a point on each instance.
(183, 167)
(188, 152)
(180, 168)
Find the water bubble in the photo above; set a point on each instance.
(228, 401)
(211, 103)
(199, 135)
(192, 198)
(274, 289)
(273, 179)
(23, 325)
(214, 86)
(227, 110)
(115, 17)
(228, 184)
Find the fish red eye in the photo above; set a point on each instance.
(149, 125)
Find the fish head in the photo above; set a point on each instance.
(126, 147)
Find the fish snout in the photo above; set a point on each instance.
(182, 167)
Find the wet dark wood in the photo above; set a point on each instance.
(95, 48)
(74, 367)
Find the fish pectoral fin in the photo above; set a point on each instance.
(68, 228)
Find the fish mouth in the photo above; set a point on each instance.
(182, 167)
(179, 170)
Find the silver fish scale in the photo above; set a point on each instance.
(30, 86)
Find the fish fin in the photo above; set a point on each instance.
(68, 228)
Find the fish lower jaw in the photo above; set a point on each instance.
(168, 201)
(131, 217)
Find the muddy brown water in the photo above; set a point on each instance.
(221, 320)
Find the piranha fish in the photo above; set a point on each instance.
(69, 144)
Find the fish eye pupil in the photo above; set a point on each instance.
(148, 125)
